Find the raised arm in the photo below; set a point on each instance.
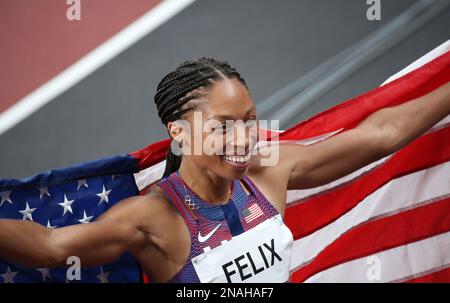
(380, 134)
(116, 231)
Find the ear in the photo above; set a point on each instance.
(175, 131)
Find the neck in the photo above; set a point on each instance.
(209, 187)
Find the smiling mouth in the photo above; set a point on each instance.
(237, 161)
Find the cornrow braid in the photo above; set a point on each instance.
(179, 87)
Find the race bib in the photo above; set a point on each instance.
(262, 254)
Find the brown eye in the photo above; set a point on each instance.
(226, 128)
(222, 128)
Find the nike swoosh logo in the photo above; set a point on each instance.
(203, 239)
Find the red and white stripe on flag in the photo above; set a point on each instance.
(386, 222)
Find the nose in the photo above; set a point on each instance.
(241, 138)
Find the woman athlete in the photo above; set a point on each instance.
(218, 216)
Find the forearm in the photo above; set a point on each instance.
(96, 243)
(405, 122)
(26, 243)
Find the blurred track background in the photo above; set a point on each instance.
(273, 44)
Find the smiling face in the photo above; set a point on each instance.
(222, 131)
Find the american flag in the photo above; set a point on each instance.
(388, 221)
(385, 222)
(252, 212)
(61, 197)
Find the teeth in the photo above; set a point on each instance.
(237, 159)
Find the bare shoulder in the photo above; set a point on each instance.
(147, 212)
(166, 237)
(271, 164)
(270, 174)
(168, 234)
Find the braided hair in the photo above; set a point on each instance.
(184, 84)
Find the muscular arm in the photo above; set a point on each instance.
(379, 135)
(116, 231)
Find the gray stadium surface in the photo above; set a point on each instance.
(271, 43)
